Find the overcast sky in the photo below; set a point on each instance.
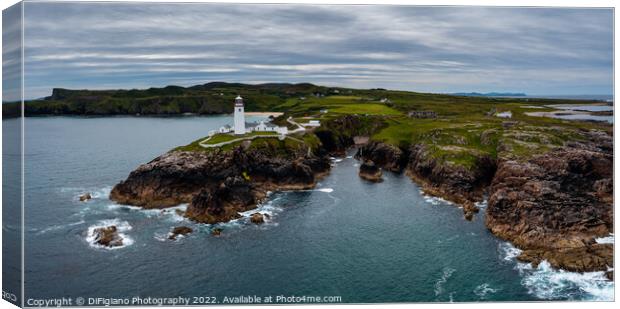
(441, 49)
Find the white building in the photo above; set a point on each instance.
(240, 127)
(312, 123)
(239, 116)
(225, 129)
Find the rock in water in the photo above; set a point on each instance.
(257, 218)
(370, 172)
(469, 209)
(85, 197)
(107, 236)
(179, 230)
(216, 232)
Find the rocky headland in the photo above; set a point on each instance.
(550, 202)
(219, 184)
(554, 205)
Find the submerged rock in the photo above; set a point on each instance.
(107, 236)
(370, 172)
(257, 218)
(179, 230)
(216, 232)
(85, 197)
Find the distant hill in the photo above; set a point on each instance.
(490, 94)
(209, 98)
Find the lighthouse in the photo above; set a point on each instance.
(239, 116)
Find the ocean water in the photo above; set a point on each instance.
(363, 242)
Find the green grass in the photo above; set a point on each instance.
(463, 130)
(365, 109)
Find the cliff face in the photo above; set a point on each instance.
(386, 156)
(554, 205)
(218, 184)
(453, 182)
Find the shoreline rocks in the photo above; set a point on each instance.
(554, 205)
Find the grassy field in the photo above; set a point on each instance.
(465, 127)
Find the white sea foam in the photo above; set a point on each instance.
(445, 275)
(435, 200)
(326, 190)
(170, 213)
(59, 226)
(546, 282)
(95, 193)
(484, 290)
(102, 193)
(606, 240)
(121, 226)
(508, 251)
(482, 205)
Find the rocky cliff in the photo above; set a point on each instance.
(456, 183)
(219, 184)
(554, 205)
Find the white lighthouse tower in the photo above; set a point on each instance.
(239, 116)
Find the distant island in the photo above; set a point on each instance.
(490, 94)
(548, 182)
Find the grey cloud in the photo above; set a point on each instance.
(438, 49)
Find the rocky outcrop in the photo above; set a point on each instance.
(219, 184)
(179, 231)
(107, 236)
(369, 171)
(383, 155)
(338, 134)
(85, 197)
(456, 183)
(555, 204)
(257, 218)
(593, 257)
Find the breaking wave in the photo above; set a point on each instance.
(434, 200)
(439, 284)
(484, 290)
(548, 283)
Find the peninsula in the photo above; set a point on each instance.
(548, 181)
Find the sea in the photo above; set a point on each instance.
(347, 240)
